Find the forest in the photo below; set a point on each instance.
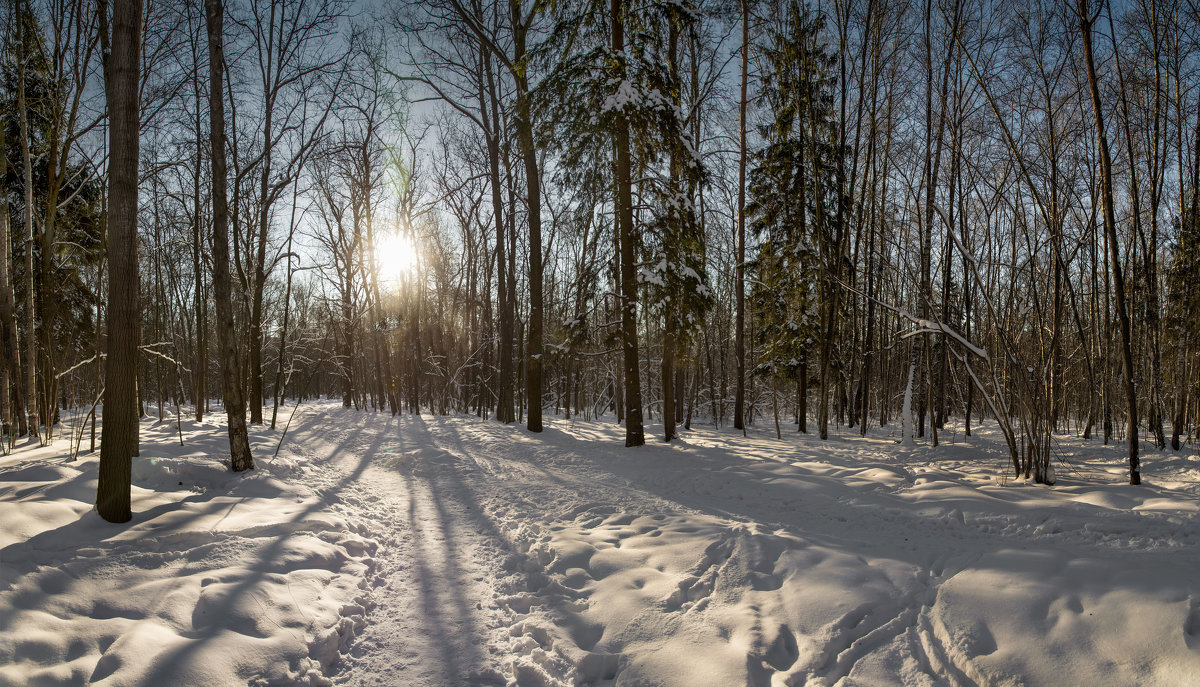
(839, 213)
(623, 342)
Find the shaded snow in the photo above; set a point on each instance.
(220, 579)
(456, 551)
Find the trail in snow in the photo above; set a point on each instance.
(563, 558)
(450, 550)
(435, 617)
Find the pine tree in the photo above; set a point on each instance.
(674, 276)
(612, 92)
(790, 185)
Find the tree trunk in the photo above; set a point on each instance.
(533, 195)
(200, 301)
(739, 403)
(802, 397)
(119, 433)
(277, 393)
(31, 395)
(524, 123)
(1110, 228)
(235, 407)
(668, 388)
(8, 340)
(504, 404)
(634, 434)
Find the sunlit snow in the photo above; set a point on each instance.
(421, 550)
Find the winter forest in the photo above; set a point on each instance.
(635, 342)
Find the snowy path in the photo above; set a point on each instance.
(448, 551)
(565, 558)
(435, 566)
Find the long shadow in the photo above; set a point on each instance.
(823, 509)
(330, 426)
(166, 666)
(826, 510)
(62, 545)
(485, 524)
(438, 619)
(449, 616)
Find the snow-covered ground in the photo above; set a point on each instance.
(455, 551)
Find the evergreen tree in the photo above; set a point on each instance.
(674, 276)
(1183, 314)
(615, 87)
(791, 184)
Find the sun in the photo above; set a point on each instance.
(395, 258)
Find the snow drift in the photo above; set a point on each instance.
(456, 551)
(220, 579)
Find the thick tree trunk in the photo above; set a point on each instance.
(533, 190)
(231, 388)
(119, 433)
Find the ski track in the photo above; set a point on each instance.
(503, 554)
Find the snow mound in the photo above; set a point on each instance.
(724, 560)
(219, 579)
(1031, 617)
(672, 599)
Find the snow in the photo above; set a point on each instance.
(458, 551)
(220, 579)
(628, 95)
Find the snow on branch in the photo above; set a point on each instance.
(167, 358)
(78, 365)
(924, 326)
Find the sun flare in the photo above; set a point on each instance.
(395, 258)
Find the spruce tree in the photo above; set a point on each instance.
(791, 183)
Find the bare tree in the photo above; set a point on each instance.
(231, 388)
(1086, 19)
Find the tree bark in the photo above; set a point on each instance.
(8, 366)
(504, 403)
(200, 302)
(634, 433)
(1110, 228)
(235, 407)
(31, 395)
(119, 433)
(533, 190)
(739, 402)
